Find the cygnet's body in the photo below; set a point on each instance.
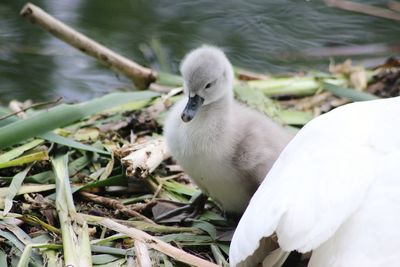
(225, 147)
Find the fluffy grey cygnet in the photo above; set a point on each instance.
(224, 146)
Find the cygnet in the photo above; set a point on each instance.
(224, 146)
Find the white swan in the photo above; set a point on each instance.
(225, 147)
(335, 190)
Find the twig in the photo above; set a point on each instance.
(158, 190)
(141, 76)
(395, 6)
(158, 228)
(142, 254)
(29, 107)
(115, 204)
(152, 242)
(30, 219)
(364, 8)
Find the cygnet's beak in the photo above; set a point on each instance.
(192, 106)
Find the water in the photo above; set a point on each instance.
(258, 35)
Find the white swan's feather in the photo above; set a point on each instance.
(322, 180)
(371, 235)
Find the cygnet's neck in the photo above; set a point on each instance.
(221, 107)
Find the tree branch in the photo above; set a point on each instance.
(141, 76)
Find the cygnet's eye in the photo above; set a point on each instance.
(208, 85)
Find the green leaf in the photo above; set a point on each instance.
(114, 180)
(9, 224)
(295, 117)
(28, 189)
(36, 221)
(26, 257)
(110, 250)
(55, 138)
(167, 262)
(224, 248)
(117, 263)
(257, 100)
(107, 240)
(104, 258)
(74, 229)
(128, 107)
(13, 239)
(42, 155)
(144, 226)
(15, 186)
(63, 190)
(350, 94)
(211, 216)
(3, 112)
(187, 239)
(180, 188)
(168, 79)
(3, 258)
(65, 205)
(12, 154)
(206, 227)
(62, 115)
(298, 86)
(48, 176)
(52, 258)
(219, 258)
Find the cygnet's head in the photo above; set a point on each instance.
(207, 76)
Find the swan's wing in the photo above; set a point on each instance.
(320, 178)
(371, 235)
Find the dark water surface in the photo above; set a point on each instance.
(261, 35)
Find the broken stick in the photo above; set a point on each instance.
(151, 242)
(141, 76)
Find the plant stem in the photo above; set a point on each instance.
(152, 242)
